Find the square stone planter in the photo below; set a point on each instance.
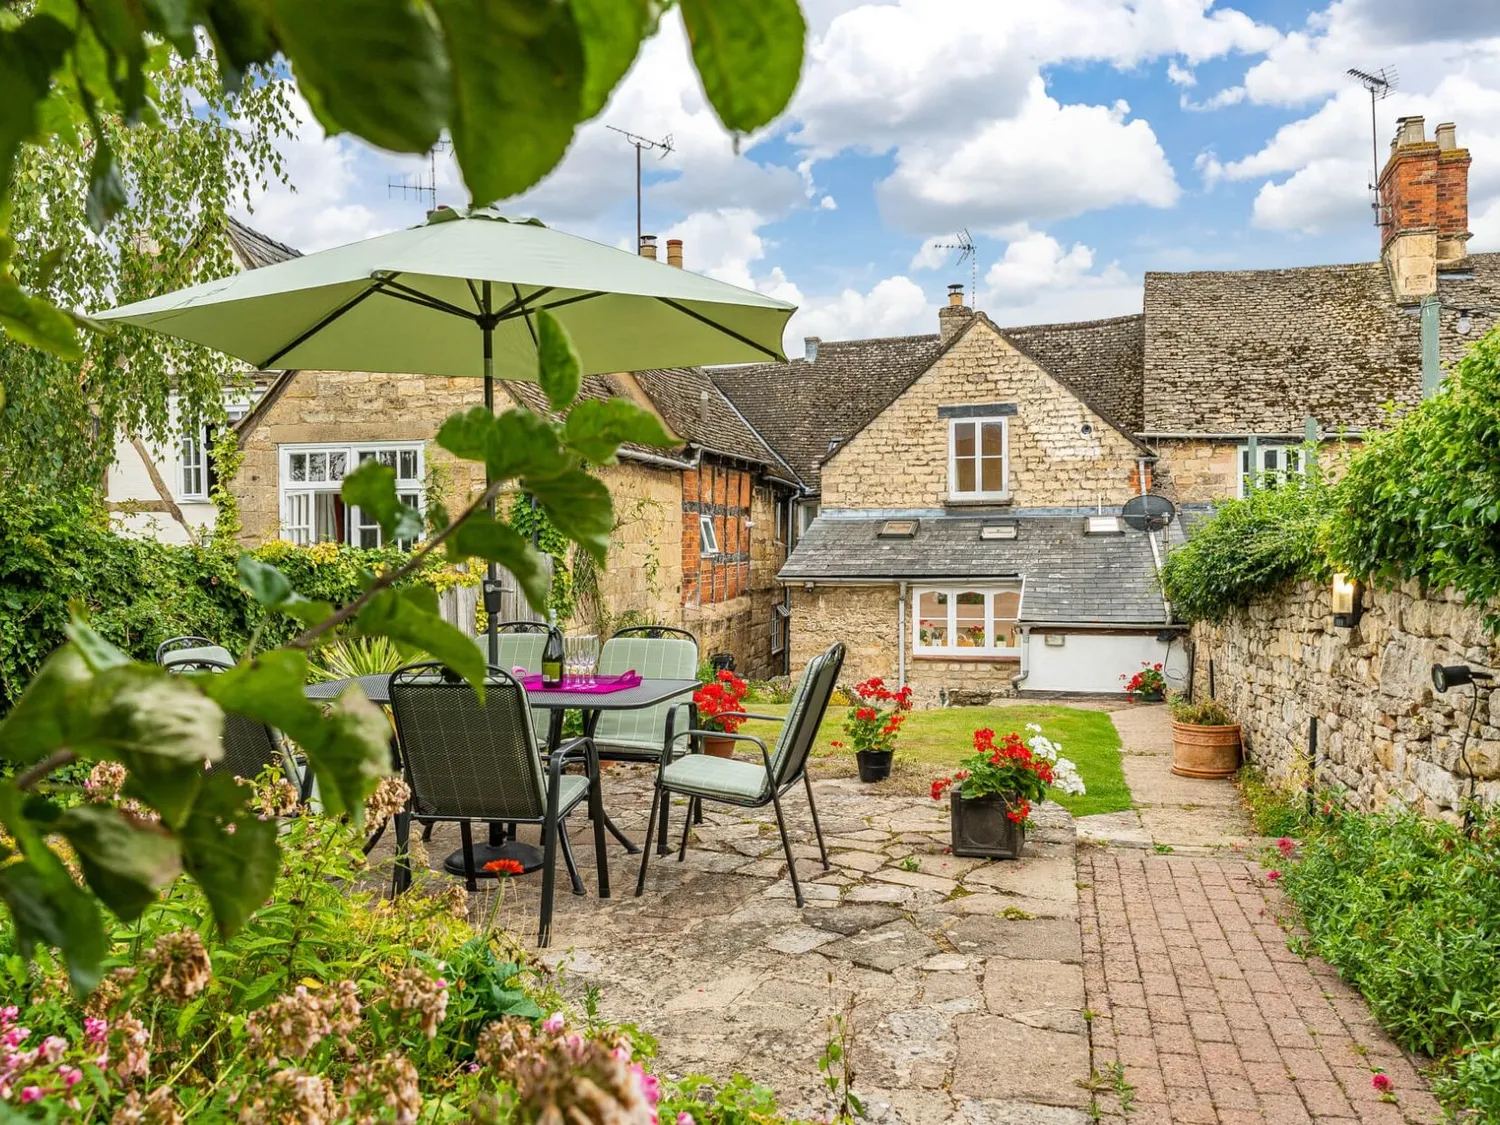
(981, 828)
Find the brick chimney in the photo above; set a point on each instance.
(674, 252)
(1424, 207)
(954, 317)
(648, 246)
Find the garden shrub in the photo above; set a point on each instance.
(138, 592)
(1408, 910)
(1247, 548)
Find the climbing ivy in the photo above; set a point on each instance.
(531, 521)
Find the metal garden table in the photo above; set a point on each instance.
(648, 693)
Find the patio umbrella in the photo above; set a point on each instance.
(456, 296)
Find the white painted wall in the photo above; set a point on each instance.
(1093, 662)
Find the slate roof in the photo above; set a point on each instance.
(256, 249)
(713, 425)
(1242, 351)
(1099, 360)
(1070, 577)
(799, 407)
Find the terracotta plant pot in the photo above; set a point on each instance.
(874, 765)
(1209, 752)
(718, 746)
(981, 828)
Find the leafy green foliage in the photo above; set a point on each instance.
(1422, 501)
(1404, 907)
(509, 80)
(1198, 713)
(1250, 547)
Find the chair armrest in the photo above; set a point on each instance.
(766, 718)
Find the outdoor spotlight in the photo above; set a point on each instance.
(1445, 676)
(494, 598)
(1347, 601)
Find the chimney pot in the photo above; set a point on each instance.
(1412, 130)
(648, 246)
(1447, 136)
(810, 348)
(955, 294)
(674, 252)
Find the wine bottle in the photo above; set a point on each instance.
(552, 659)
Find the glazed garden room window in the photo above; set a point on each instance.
(963, 621)
(978, 452)
(1277, 463)
(312, 511)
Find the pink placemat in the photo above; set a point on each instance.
(599, 685)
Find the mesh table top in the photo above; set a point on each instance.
(647, 694)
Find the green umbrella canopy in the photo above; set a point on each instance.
(413, 301)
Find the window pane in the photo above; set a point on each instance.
(1293, 460)
(387, 457)
(963, 439)
(932, 619)
(969, 620)
(965, 467)
(992, 477)
(993, 438)
(338, 465)
(1007, 606)
(408, 467)
(297, 468)
(328, 517)
(1270, 457)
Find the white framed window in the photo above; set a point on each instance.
(195, 455)
(963, 621)
(312, 511)
(708, 539)
(978, 459)
(1274, 465)
(780, 619)
(807, 511)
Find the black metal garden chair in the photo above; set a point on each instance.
(469, 761)
(249, 745)
(731, 781)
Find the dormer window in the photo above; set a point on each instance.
(978, 456)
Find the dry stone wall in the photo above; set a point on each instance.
(900, 460)
(1384, 734)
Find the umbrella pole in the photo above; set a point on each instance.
(492, 570)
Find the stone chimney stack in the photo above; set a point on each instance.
(674, 252)
(1424, 207)
(810, 348)
(954, 317)
(648, 246)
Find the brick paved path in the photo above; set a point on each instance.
(1214, 1019)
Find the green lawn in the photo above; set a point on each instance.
(932, 742)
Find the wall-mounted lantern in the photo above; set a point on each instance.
(1347, 599)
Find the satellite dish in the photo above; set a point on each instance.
(1148, 513)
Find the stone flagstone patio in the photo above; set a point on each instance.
(965, 977)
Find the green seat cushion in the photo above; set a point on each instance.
(706, 776)
(572, 787)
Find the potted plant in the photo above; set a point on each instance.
(1205, 739)
(721, 707)
(872, 726)
(992, 794)
(1149, 683)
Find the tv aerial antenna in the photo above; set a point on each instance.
(1381, 84)
(417, 184)
(641, 144)
(967, 251)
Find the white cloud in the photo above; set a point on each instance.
(1230, 95)
(896, 306)
(1037, 280)
(1180, 75)
(1047, 162)
(721, 244)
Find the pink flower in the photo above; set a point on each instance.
(53, 1047)
(1381, 1082)
(1273, 875)
(554, 1023)
(32, 1094)
(71, 1076)
(685, 1118)
(8, 1015)
(15, 1036)
(1286, 846)
(95, 1030)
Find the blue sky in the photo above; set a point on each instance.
(1081, 142)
